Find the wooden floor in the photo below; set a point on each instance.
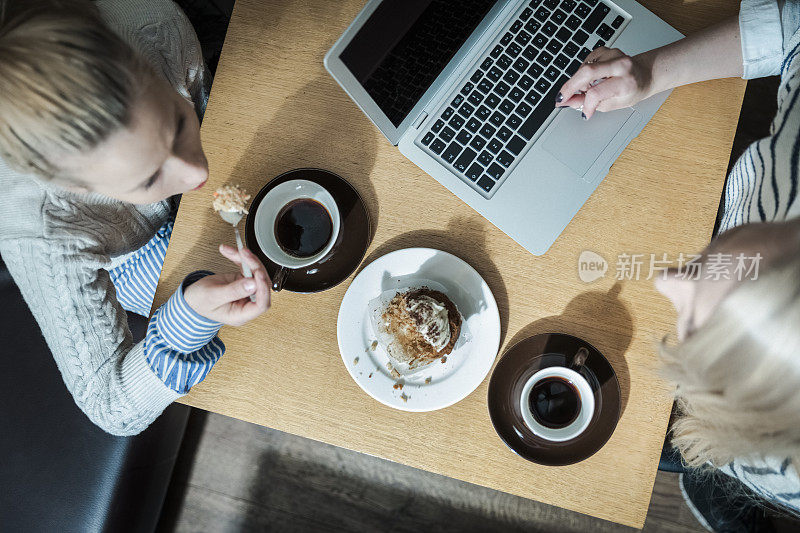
(233, 476)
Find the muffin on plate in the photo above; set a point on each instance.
(419, 326)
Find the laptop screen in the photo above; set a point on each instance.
(398, 53)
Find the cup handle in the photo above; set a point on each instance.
(279, 278)
(579, 359)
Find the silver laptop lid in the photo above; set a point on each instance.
(392, 58)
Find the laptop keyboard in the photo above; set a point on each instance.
(511, 91)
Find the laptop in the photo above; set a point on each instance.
(466, 90)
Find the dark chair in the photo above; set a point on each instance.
(671, 459)
(59, 472)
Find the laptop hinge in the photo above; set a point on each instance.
(420, 120)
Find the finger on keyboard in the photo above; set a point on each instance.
(575, 102)
(588, 74)
(600, 93)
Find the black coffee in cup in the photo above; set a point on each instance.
(303, 227)
(554, 402)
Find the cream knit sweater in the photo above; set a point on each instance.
(58, 246)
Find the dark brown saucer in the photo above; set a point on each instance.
(350, 246)
(526, 358)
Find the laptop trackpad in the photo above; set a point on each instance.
(579, 143)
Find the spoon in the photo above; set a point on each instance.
(233, 218)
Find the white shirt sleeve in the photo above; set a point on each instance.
(762, 38)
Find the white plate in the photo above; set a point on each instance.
(451, 381)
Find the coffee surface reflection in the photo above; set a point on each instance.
(554, 402)
(303, 227)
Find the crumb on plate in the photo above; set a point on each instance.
(392, 371)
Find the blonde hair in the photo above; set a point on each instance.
(66, 80)
(738, 375)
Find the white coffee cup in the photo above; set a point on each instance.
(266, 217)
(585, 394)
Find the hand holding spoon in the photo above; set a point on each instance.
(229, 203)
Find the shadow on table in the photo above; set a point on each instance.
(590, 308)
(461, 234)
(339, 128)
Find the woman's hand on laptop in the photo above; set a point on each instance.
(607, 80)
(225, 298)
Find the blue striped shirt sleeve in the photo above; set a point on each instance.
(181, 345)
(181, 327)
(136, 279)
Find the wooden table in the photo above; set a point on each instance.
(274, 108)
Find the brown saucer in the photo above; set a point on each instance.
(529, 356)
(350, 246)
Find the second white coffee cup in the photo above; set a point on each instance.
(577, 426)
